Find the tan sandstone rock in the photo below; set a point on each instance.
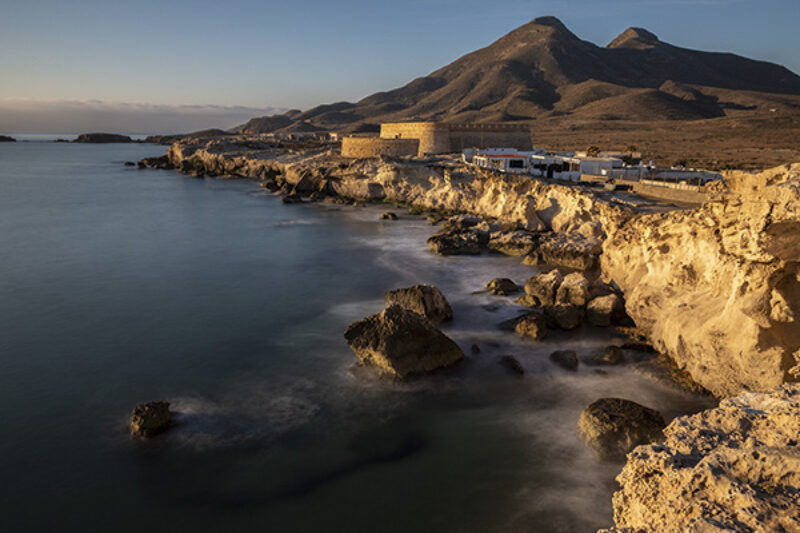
(729, 469)
(718, 288)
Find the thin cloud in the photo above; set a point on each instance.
(23, 115)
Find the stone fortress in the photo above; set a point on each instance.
(404, 139)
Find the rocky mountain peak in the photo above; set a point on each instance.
(634, 38)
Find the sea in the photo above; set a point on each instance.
(120, 286)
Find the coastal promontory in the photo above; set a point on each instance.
(7, 139)
(101, 138)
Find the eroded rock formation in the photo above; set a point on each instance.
(729, 469)
(718, 288)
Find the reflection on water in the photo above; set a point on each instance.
(120, 286)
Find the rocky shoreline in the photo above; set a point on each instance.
(716, 290)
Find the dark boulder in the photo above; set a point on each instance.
(566, 359)
(388, 216)
(449, 242)
(426, 300)
(531, 326)
(608, 356)
(541, 289)
(612, 427)
(148, 419)
(512, 364)
(502, 286)
(565, 316)
(400, 342)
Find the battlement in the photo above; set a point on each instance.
(444, 137)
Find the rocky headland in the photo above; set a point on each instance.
(7, 139)
(714, 289)
(718, 288)
(729, 469)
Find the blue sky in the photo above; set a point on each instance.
(298, 54)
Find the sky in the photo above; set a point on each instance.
(171, 65)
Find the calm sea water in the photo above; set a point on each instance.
(119, 286)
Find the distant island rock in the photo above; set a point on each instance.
(102, 138)
(6, 139)
(169, 139)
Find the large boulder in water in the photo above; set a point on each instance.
(426, 300)
(612, 427)
(502, 286)
(532, 326)
(400, 342)
(541, 289)
(148, 419)
(449, 242)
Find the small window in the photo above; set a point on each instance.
(516, 163)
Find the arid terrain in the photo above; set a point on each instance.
(748, 143)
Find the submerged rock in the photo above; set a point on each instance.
(612, 427)
(426, 300)
(732, 468)
(400, 342)
(502, 286)
(148, 419)
(566, 359)
(513, 364)
(610, 355)
(292, 199)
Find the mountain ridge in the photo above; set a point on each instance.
(541, 70)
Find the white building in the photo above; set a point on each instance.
(502, 159)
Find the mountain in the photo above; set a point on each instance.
(543, 70)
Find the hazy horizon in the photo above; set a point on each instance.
(171, 67)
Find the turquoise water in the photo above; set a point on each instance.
(119, 286)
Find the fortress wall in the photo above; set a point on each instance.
(441, 138)
(375, 146)
(434, 137)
